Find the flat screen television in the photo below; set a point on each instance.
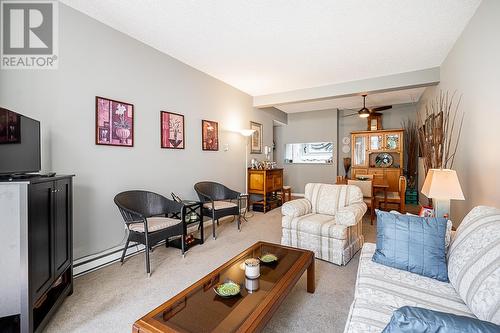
(19, 143)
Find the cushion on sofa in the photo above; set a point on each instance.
(412, 243)
(419, 320)
(316, 224)
(327, 198)
(474, 262)
(380, 290)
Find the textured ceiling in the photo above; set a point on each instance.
(356, 102)
(264, 46)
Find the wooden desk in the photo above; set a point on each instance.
(265, 182)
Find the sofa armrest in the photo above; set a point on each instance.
(352, 214)
(296, 208)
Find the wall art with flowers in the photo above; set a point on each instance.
(114, 122)
(172, 130)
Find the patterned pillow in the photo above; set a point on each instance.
(412, 243)
(474, 262)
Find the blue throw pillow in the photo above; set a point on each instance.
(412, 243)
(419, 320)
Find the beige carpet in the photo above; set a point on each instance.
(112, 298)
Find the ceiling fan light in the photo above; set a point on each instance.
(364, 113)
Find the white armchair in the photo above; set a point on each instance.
(327, 221)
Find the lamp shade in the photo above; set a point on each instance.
(246, 132)
(442, 184)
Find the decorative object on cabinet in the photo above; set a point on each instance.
(347, 165)
(209, 135)
(265, 183)
(374, 122)
(442, 185)
(114, 122)
(439, 130)
(172, 130)
(256, 140)
(37, 273)
(383, 160)
(368, 145)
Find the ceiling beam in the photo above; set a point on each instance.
(415, 79)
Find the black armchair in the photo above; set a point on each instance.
(146, 216)
(218, 202)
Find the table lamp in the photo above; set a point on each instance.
(442, 185)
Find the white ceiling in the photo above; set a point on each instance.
(264, 47)
(356, 102)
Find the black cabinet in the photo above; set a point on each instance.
(49, 247)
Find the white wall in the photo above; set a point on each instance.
(97, 60)
(307, 127)
(472, 69)
(391, 118)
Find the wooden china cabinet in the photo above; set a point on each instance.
(378, 153)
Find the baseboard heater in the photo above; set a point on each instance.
(93, 262)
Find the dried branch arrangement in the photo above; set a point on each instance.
(411, 148)
(439, 131)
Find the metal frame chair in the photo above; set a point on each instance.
(209, 193)
(139, 206)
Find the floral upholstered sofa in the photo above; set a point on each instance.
(473, 261)
(326, 221)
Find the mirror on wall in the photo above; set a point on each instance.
(309, 153)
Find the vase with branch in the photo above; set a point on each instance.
(411, 150)
(122, 125)
(439, 131)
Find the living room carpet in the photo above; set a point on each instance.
(112, 298)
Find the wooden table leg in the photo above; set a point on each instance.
(385, 198)
(311, 283)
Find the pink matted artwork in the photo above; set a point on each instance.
(172, 130)
(114, 122)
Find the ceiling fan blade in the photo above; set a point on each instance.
(350, 115)
(381, 108)
(375, 114)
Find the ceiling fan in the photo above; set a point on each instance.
(365, 112)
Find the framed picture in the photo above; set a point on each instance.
(426, 211)
(114, 122)
(209, 135)
(172, 130)
(256, 139)
(10, 127)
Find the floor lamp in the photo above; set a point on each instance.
(246, 134)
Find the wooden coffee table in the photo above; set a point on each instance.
(199, 309)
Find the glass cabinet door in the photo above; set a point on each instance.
(359, 150)
(376, 142)
(392, 141)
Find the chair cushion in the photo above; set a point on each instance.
(287, 187)
(367, 201)
(154, 224)
(316, 224)
(419, 320)
(474, 262)
(220, 205)
(412, 243)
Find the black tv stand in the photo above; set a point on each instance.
(19, 176)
